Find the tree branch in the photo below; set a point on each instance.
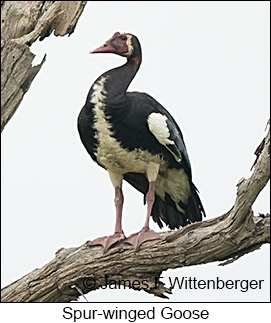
(76, 271)
(22, 22)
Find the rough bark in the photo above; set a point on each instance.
(22, 22)
(76, 271)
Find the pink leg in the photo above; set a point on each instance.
(108, 241)
(136, 239)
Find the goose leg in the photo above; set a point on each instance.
(145, 234)
(118, 235)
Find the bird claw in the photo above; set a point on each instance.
(136, 239)
(107, 241)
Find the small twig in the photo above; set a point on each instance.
(79, 290)
(259, 149)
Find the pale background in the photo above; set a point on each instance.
(207, 63)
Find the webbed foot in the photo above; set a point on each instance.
(108, 241)
(136, 239)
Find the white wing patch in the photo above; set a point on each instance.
(158, 127)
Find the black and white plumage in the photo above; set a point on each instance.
(135, 138)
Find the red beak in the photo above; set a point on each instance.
(107, 47)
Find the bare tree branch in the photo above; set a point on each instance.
(76, 271)
(22, 22)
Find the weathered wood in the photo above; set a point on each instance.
(22, 22)
(76, 271)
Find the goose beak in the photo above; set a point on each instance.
(106, 48)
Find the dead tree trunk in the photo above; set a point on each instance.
(76, 271)
(22, 22)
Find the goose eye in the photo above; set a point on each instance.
(123, 37)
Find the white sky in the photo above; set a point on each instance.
(207, 63)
